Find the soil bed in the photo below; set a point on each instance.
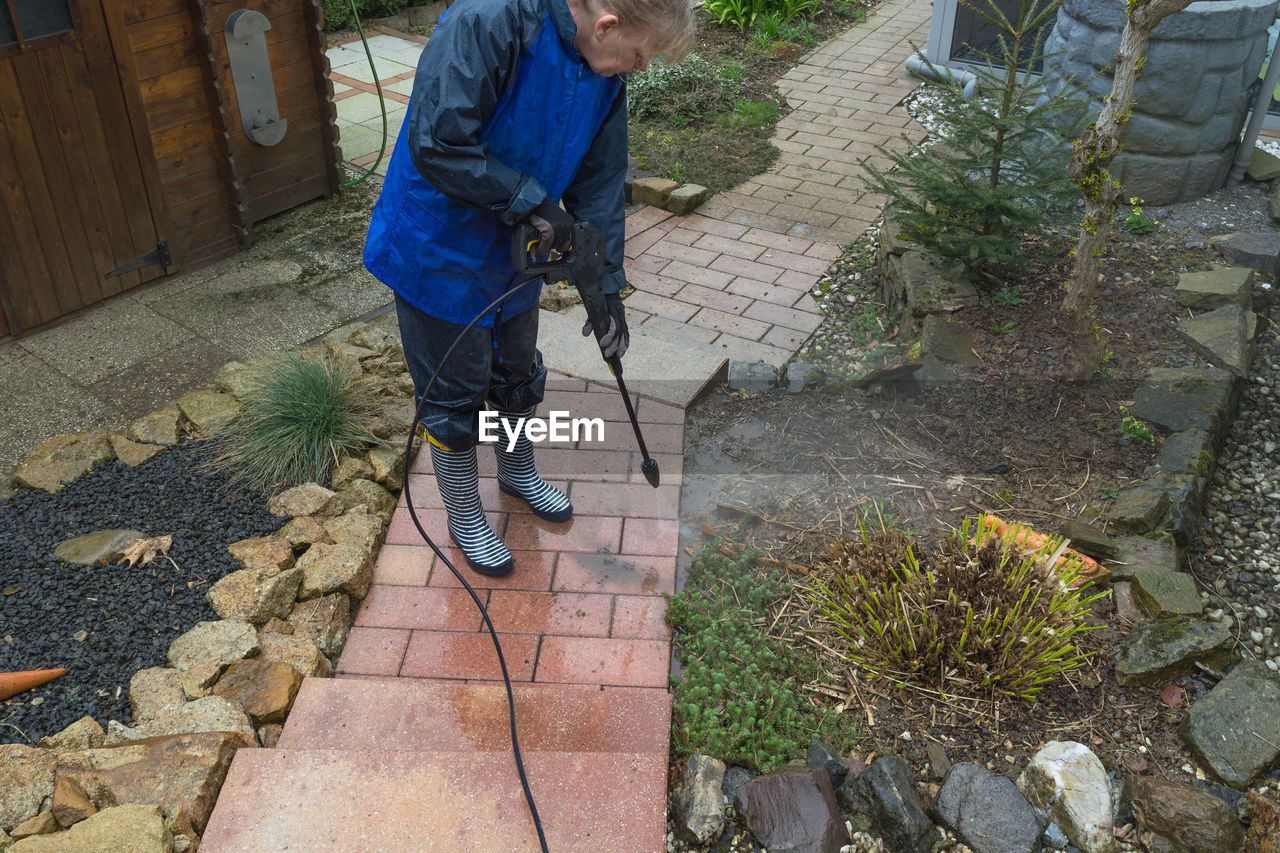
(789, 473)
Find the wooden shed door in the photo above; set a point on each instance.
(74, 191)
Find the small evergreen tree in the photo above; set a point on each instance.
(999, 168)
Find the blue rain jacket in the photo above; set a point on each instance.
(504, 114)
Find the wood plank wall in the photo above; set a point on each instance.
(216, 182)
(304, 165)
(182, 116)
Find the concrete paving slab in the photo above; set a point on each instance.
(400, 87)
(95, 345)
(358, 108)
(41, 403)
(251, 310)
(356, 140)
(354, 294)
(655, 368)
(156, 381)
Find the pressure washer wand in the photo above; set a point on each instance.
(583, 267)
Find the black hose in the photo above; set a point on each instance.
(408, 499)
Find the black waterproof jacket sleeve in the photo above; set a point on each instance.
(466, 66)
(597, 193)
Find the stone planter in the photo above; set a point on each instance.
(1191, 97)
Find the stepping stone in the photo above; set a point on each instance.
(1224, 336)
(390, 714)
(1204, 291)
(1235, 728)
(1162, 594)
(305, 799)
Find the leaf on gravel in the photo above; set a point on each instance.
(1172, 696)
(145, 550)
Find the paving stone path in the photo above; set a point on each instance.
(407, 749)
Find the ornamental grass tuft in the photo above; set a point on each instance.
(302, 413)
(981, 617)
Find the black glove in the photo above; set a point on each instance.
(617, 338)
(554, 226)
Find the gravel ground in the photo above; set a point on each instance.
(130, 615)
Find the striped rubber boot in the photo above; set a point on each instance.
(517, 475)
(459, 482)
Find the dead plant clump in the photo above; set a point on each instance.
(979, 617)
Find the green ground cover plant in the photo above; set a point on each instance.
(978, 617)
(302, 412)
(739, 697)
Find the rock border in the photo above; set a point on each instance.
(230, 683)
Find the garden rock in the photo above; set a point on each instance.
(800, 375)
(1159, 650)
(1179, 398)
(350, 468)
(264, 688)
(333, 568)
(1089, 539)
(1224, 336)
(1263, 165)
(1066, 780)
(885, 794)
(84, 733)
(685, 198)
(93, 548)
(268, 555)
(751, 376)
(206, 714)
(734, 779)
(933, 372)
(1264, 828)
(349, 353)
(163, 426)
(155, 691)
(1126, 608)
(1205, 291)
(821, 755)
(1234, 729)
(358, 528)
(209, 411)
(794, 810)
(222, 642)
(131, 452)
(1188, 452)
(926, 284)
(699, 801)
(949, 342)
(197, 681)
(26, 778)
(122, 829)
(70, 803)
(652, 191)
(369, 494)
(1140, 508)
(298, 653)
(301, 532)
(1195, 821)
(388, 467)
(1161, 594)
(1141, 553)
(1259, 250)
(307, 499)
(236, 378)
(325, 621)
(254, 597)
(986, 811)
(42, 824)
(61, 459)
(939, 764)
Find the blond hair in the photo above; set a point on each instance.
(669, 22)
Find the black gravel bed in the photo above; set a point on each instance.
(131, 615)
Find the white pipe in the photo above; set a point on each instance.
(1245, 152)
(919, 65)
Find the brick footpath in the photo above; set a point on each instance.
(407, 748)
